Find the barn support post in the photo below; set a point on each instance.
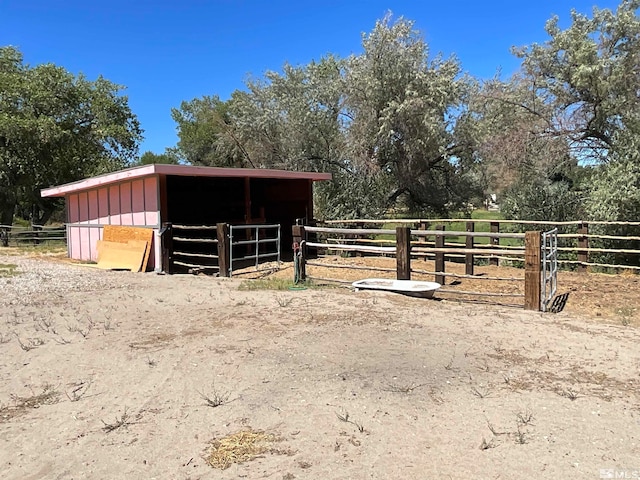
(532, 270)
(403, 253)
(166, 241)
(583, 246)
(224, 249)
(469, 257)
(300, 251)
(495, 228)
(440, 256)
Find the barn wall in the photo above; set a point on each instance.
(133, 202)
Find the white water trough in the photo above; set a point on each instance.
(406, 287)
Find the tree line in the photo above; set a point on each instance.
(399, 129)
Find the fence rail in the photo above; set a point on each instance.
(35, 234)
(536, 250)
(581, 245)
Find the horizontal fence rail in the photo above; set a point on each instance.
(34, 234)
(405, 244)
(582, 245)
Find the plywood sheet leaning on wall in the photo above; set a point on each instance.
(122, 256)
(123, 234)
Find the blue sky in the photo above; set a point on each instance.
(165, 52)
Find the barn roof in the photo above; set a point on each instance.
(179, 170)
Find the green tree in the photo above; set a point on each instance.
(56, 128)
(381, 122)
(168, 157)
(533, 173)
(404, 108)
(202, 122)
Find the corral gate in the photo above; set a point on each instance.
(260, 242)
(549, 268)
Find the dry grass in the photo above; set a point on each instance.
(48, 396)
(239, 447)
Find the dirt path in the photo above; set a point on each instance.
(116, 378)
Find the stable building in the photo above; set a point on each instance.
(187, 202)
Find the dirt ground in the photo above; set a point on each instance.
(116, 375)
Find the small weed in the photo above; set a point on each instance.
(215, 398)
(480, 391)
(625, 314)
(404, 388)
(494, 430)
(484, 367)
(283, 302)
(106, 324)
(30, 344)
(449, 366)
(48, 396)
(484, 445)
(61, 340)
(521, 437)
(122, 421)
(151, 362)
(78, 391)
(525, 418)
(345, 418)
(569, 393)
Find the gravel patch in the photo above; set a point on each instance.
(36, 276)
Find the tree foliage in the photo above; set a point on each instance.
(381, 122)
(56, 128)
(168, 157)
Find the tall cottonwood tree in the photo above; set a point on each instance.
(381, 122)
(56, 127)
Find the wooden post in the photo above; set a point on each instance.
(583, 245)
(440, 256)
(495, 228)
(532, 270)
(224, 249)
(469, 257)
(166, 245)
(403, 253)
(423, 226)
(299, 236)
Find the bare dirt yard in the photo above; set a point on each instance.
(112, 375)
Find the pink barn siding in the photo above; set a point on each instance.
(93, 206)
(84, 207)
(126, 216)
(103, 206)
(73, 208)
(151, 207)
(137, 202)
(133, 202)
(114, 205)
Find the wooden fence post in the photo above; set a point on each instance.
(403, 253)
(224, 249)
(469, 257)
(439, 256)
(495, 228)
(299, 236)
(423, 226)
(532, 270)
(166, 245)
(583, 245)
